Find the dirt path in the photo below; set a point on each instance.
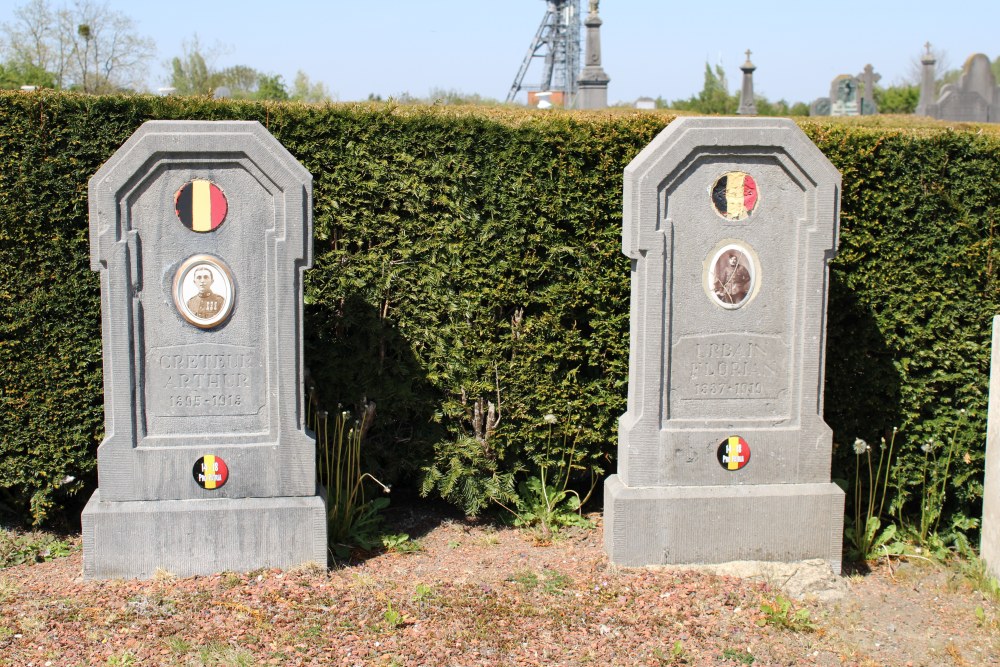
(471, 594)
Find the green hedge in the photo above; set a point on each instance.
(470, 253)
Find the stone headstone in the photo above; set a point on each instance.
(820, 107)
(844, 99)
(990, 546)
(201, 232)
(723, 453)
(975, 98)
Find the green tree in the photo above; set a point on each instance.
(190, 74)
(193, 73)
(897, 99)
(87, 46)
(14, 75)
(303, 90)
(713, 98)
(269, 87)
(780, 108)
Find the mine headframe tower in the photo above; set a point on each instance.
(558, 42)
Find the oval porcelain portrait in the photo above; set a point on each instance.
(203, 291)
(731, 276)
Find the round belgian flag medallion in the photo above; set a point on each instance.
(733, 453)
(735, 195)
(201, 205)
(210, 472)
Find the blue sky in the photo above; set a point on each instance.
(650, 47)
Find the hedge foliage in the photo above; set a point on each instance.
(472, 256)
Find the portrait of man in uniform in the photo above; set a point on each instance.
(203, 291)
(206, 304)
(731, 277)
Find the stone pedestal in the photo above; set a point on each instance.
(186, 537)
(677, 525)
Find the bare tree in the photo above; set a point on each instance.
(86, 46)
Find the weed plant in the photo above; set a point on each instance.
(351, 520)
(863, 536)
(33, 547)
(934, 494)
(545, 502)
(779, 613)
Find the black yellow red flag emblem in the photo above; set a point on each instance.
(735, 195)
(210, 472)
(201, 205)
(733, 453)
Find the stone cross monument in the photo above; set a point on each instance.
(868, 78)
(926, 105)
(748, 106)
(201, 232)
(593, 81)
(723, 454)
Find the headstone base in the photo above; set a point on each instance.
(134, 539)
(674, 525)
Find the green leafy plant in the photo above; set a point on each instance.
(124, 659)
(675, 655)
(401, 543)
(863, 534)
(391, 616)
(545, 501)
(351, 520)
(33, 547)
(979, 577)
(556, 582)
(525, 578)
(738, 655)
(423, 593)
(934, 487)
(778, 612)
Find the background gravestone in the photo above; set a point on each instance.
(975, 98)
(201, 232)
(844, 96)
(723, 452)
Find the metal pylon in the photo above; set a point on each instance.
(558, 42)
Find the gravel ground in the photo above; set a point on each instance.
(465, 593)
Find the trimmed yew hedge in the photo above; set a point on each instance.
(474, 255)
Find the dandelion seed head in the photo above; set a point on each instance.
(860, 446)
(550, 418)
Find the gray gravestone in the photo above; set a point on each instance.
(201, 232)
(975, 98)
(990, 545)
(723, 452)
(844, 96)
